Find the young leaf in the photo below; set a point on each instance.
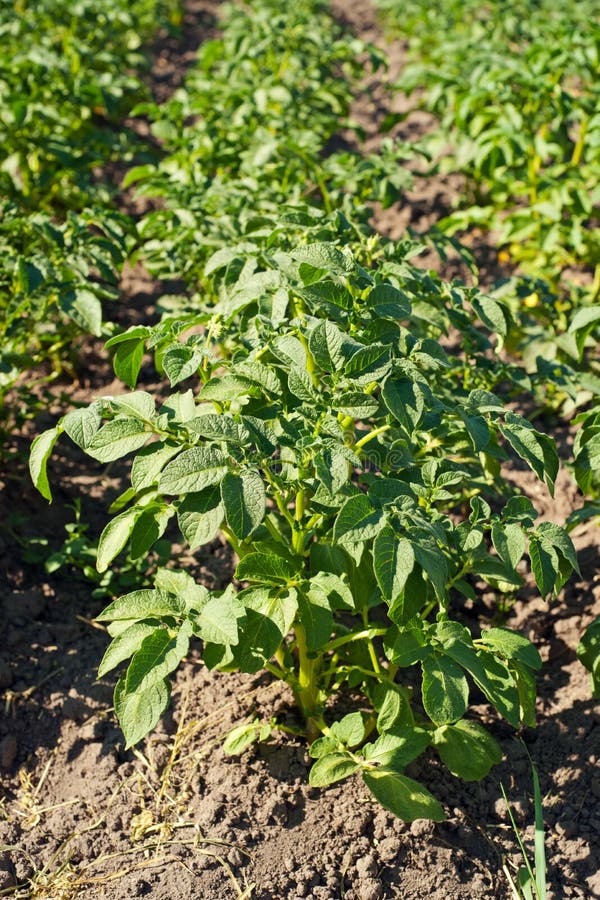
(512, 645)
(393, 561)
(193, 470)
(115, 536)
(396, 749)
(159, 654)
(145, 604)
(403, 796)
(467, 749)
(117, 438)
(331, 768)
(350, 730)
(41, 449)
(200, 515)
(244, 501)
(445, 690)
(243, 736)
(124, 645)
(266, 568)
(139, 711)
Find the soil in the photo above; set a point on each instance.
(177, 818)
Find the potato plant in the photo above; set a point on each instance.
(517, 98)
(250, 134)
(69, 76)
(354, 481)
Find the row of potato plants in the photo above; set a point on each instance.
(316, 420)
(516, 98)
(70, 74)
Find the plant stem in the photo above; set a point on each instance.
(307, 693)
(372, 434)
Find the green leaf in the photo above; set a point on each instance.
(200, 515)
(490, 675)
(181, 362)
(41, 450)
(358, 520)
(266, 568)
(149, 463)
(138, 404)
(82, 424)
(445, 690)
(269, 617)
(84, 308)
(139, 712)
(219, 618)
(124, 645)
(491, 314)
(149, 527)
(388, 302)
(544, 563)
(144, 604)
(159, 654)
(405, 646)
(403, 796)
(537, 449)
(405, 400)
(509, 542)
(331, 768)
(369, 364)
(228, 387)
(193, 470)
(243, 736)
(129, 353)
(392, 710)
(220, 428)
(115, 536)
(433, 562)
(326, 342)
(315, 614)
(467, 749)
(512, 645)
(588, 653)
(244, 500)
(396, 749)
(323, 256)
(393, 561)
(357, 405)
(350, 730)
(322, 747)
(555, 536)
(118, 438)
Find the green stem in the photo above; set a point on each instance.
(579, 143)
(372, 434)
(355, 636)
(307, 692)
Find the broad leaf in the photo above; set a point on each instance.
(244, 501)
(467, 749)
(403, 796)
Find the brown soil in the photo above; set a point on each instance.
(177, 818)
